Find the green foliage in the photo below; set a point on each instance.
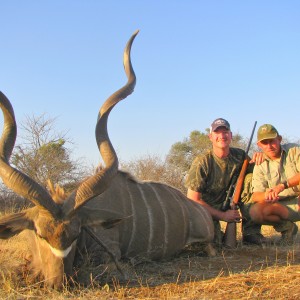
(174, 168)
(182, 153)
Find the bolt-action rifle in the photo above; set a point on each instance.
(233, 197)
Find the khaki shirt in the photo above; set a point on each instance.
(211, 175)
(272, 172)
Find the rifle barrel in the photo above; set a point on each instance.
(251, 137)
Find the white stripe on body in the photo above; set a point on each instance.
(134, 217)
(210, 229)
(206, 216)
(150, 218)
(166, 219)
(183, 209)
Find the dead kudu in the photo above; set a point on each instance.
(157, 220)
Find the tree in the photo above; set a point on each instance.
(42, 153)
(182, 153)
(154, 168)
(174, 168)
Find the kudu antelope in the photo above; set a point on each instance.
(157, 220)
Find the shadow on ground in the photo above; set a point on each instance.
(193, 265)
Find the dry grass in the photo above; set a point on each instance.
(252, 272)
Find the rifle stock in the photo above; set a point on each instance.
(231, 230)
(239, 184)
(229, 239)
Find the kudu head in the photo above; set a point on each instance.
(55, 226)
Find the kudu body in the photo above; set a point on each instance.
(157, 220)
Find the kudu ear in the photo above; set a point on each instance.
(110, 223)
(100, 217)
(13, 224)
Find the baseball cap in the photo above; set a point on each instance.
(266, 131)
(219, 123)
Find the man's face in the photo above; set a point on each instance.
(271, 147)
(221, 137)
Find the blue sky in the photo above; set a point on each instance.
(194, 61)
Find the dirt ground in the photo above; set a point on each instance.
(193, 264)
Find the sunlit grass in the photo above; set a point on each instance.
(248, 272)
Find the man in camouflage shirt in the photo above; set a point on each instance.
(275, 184)
(209, 178)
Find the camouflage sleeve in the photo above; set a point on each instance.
(195, 180)
(250, 167)
(247, 189)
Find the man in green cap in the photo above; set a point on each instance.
(275, 184)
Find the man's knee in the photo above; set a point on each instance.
(256, 214)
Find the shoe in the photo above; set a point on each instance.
(287, 236)
(254, 239)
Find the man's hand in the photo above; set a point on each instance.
(258, 158)
(271, 195)
(231, 215)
